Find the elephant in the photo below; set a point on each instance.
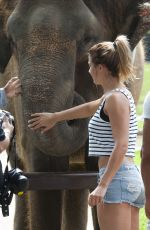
(46, 43)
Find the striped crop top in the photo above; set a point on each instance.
(101, 141)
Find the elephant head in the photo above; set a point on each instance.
(47, 39)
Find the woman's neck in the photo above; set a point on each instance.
(112, 85)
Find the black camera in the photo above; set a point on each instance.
(11, 182)
(18, 183)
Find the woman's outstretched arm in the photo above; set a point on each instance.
(47, 120)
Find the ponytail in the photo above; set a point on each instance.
(116, 55)
(125, 57)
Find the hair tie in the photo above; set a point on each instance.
(114, 44)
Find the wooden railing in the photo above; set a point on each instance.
(60, 181)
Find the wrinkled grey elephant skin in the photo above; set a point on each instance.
(49, 41)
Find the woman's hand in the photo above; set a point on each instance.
(97, 195)
(43, 121)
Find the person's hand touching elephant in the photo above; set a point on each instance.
(42, 121)
(13, 87)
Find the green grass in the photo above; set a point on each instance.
(139, 109)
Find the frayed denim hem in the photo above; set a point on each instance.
(123, 201)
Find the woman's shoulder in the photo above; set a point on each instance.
(120, 92)
(117, 97)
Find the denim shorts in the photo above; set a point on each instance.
(126, 186)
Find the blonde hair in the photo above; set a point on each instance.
(116, 56)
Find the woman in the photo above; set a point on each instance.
(112, 136)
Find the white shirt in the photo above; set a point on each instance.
(146, 106)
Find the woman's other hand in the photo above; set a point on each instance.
(97, 195)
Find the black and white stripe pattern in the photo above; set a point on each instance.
(101, 141)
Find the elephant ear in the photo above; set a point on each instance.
(6, 7)
(142, 24)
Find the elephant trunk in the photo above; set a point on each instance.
(48, 86)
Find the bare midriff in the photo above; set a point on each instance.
(103, 161)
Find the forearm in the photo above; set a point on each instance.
(113, 165)
(3, 97)
(82, 111)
